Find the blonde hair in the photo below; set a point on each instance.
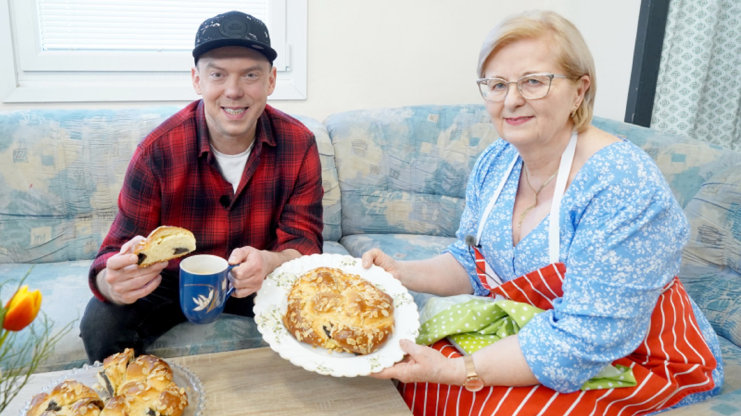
(572, 51)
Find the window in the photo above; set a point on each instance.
(132, 50)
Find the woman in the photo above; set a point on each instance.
(604, 270)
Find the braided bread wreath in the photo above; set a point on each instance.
(339, 311)
(135, 386)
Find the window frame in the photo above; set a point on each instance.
(646, 59)
(32, 76)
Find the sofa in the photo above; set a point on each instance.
(393, 178)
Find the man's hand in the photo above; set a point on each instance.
(122, 281)
(254, 267)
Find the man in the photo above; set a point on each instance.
(244, 177)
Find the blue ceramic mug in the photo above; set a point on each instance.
(205, 285)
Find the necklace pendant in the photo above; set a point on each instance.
(524, 214)
(536, 192)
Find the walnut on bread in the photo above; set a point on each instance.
(164, 243)
(339, 311)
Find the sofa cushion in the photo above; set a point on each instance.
(399, 246)
(404, 170)
(711, 260)
(732, 362)
(333, 247)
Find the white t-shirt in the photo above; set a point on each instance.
(232, 166)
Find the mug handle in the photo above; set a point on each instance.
(230, 278)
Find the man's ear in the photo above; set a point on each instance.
(272, 79)
(196, 79)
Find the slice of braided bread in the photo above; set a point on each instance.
(164, 243)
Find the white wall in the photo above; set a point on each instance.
(365, 54)
(387, 53)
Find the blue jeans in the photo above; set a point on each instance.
(107, 328)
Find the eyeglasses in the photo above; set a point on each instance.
(531, 87)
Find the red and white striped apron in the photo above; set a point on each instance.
(672, 362)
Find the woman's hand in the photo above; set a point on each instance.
(379, 258)
(424, 364)
(440, 275)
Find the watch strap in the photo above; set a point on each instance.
(473, 382)
(470, 367)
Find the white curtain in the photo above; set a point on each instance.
(698, 90)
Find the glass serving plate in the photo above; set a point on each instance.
(182, 376)
(271, 303)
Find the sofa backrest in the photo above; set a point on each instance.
(404, 170)
(686, 162)
(61, 171)
(330, 183)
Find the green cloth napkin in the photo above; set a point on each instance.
(473, 322)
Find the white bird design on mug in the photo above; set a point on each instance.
(203, 301)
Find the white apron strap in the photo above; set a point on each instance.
(493, 199)
(564, 168)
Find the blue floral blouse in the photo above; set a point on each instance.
(621, 236)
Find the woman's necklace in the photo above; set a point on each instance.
(537, 192)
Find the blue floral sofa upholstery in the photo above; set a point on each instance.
(393, 178)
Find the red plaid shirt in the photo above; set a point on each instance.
(173, 179)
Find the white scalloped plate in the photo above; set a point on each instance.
(271, 303)
(183, 377)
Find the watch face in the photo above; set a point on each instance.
(474, 384)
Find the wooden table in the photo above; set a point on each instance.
(259, 382)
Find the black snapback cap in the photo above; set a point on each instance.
(233, 29)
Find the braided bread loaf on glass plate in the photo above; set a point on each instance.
(123, 385)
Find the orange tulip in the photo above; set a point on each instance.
(21, 309)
